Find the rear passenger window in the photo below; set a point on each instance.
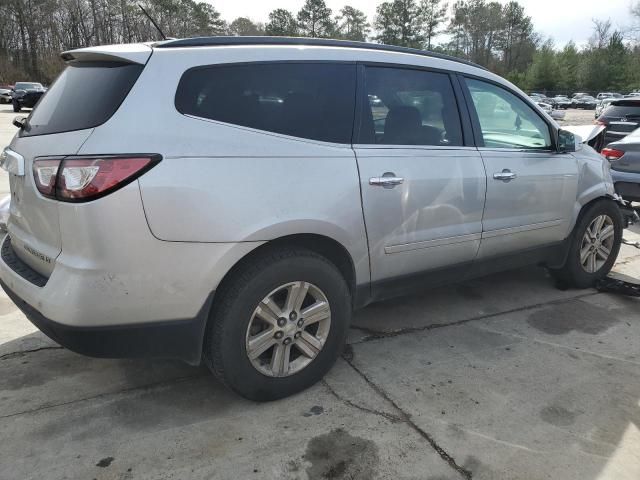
(308, 100)
(409, 107)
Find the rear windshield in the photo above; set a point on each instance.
(85, 95)
(623, 111)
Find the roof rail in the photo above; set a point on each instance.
(320, 42)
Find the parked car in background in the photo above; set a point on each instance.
(602, 105)
(603, 95)
(586, 102)
(26, 95)
(247, 246)
(562, 102)
(624, 156)
(579, 94)
(5, 94)
(621, 117)
(551, 111)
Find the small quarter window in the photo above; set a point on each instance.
(307, 100)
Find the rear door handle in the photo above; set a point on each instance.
(387, 180)
(505, 175)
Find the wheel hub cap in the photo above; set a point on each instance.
(597, 243)
(288, 329)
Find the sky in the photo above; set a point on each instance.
(562, 20)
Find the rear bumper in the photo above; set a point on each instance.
(179, 339)
(627, 185)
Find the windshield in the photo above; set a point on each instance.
(85, 95)
(27, 85)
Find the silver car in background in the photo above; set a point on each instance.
(232, 200)
(624, 156)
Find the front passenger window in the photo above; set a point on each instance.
(507, 121)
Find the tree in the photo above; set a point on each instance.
(568, 61)
(434, 14)
(314, 19)
(543, 74)
(601, 33)
(495, 36)
(281, 24)
(352, 24)
(399, 23)
(242, 26)
(516, 40)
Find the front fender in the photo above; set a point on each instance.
(594, 179)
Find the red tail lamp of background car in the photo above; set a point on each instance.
(612, 154)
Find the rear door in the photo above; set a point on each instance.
(531, 189)
(84, 96)
(422, 188)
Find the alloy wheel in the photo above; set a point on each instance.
(597, 243)
(288, 329)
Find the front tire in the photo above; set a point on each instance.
(16, 107)
(594, 247)
(278, 324)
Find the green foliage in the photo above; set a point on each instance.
(400, 23)
(434, 13)
(499, 36)
(352, 24)
(314, 20)
(543, 73)
(281, 24)
(242, 26)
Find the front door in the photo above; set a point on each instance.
(422, 190)
(531, 189)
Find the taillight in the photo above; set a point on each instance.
(612, 154)
(80, 179)
(45, 173)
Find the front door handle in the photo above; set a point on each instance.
(387, 180)
(505, 175)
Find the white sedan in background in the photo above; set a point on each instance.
(548, 108)
(5, 95)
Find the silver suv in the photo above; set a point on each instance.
(232, 200)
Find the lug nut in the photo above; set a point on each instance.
(282, 322)
(300, 323)
(278, 335)
(297, 335)
(287, 341)
(293, 316)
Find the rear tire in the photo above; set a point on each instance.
(243, 314)
(594, 247)
(16, 107)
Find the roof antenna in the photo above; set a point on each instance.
(164, 37)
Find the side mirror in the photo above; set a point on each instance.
(566, 141)
(19, 122)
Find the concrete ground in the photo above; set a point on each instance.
(505, 377)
